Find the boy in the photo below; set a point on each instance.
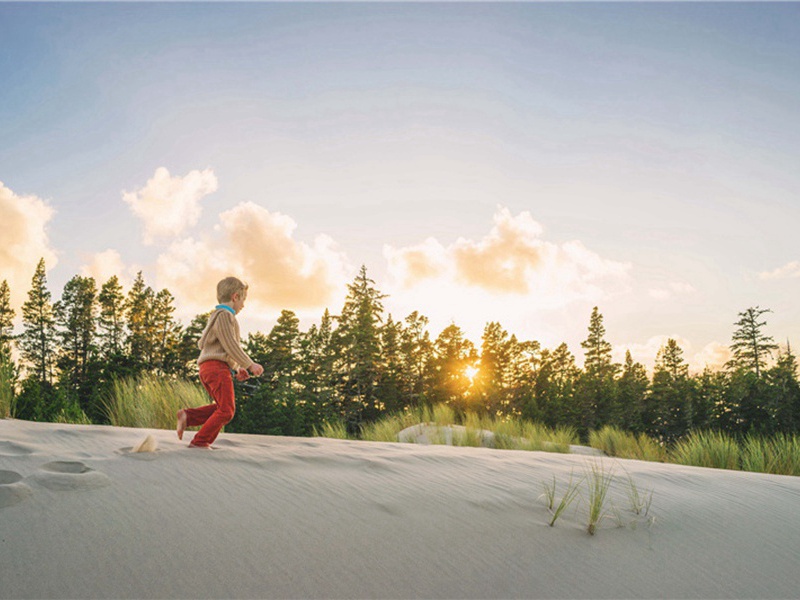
(219, 353)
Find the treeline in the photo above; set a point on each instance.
(361, 364)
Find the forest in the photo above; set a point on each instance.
(361, 364)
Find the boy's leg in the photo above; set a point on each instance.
(216, 377)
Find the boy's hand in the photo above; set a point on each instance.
(242, 375)
(256, 369)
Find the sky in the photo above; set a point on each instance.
(510, 162)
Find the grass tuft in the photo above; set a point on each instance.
(151, 402)
(707, 449)
(566, 499)
(599, 481)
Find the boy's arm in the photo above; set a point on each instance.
(226, 333)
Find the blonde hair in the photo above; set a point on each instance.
(228, 287)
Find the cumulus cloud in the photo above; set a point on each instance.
(790, 270)
(512, 259)
(259, 247)
(167, 205)
(713, 355)
(23, 223)
(104, 265)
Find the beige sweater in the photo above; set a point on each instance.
(220, 341)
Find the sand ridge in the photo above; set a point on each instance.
(269, 517)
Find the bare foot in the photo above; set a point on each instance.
(181, 423)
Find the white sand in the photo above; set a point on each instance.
(267, 517)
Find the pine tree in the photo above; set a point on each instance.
(76, 317)
(751, 347)
(490, 383)
(555, 385)
(8, 374)
(633, 387)
(784, 396)
(38, 341)
(139, 306)
(166, 333)
(6, 322)
(416, 354)
(111, 321)
(597, 357)
(357, 341)
(669, 409)
(596, 394)
(453, 354)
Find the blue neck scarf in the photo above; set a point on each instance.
(225, 307)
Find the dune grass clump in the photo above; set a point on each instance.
(778, 455)
(707, 449)
(151, 402)
(6, 389)
(567, 497)
(388, 428)
(624, 444)
(332, 429)
(599, 481)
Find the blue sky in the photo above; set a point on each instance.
(515, 162)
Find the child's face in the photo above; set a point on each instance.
(237, 301)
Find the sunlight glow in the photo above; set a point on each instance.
(470, 373)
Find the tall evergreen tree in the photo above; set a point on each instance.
(453, 354)
(6, 322)
(76, 318)
(490, 382)
(8, 372)
(141, 343)
(751, 347)
(166, 333)
(357, 340)
(633, 386)
(784, 398)
(597, 355)
(416, 352)
(111, 321)
(669, 413)
(38, 342)
(555, 388)
(596, 393)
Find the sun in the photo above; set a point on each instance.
(470, 373)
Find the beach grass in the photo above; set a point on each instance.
(6, 389)
(332, 429)
(710, 449)
(624, 444)
(151, 402)
(567, 497)
(778, 455)
(599, 481)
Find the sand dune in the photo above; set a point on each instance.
(82, 516)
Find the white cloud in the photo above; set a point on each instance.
(168, 206)
(23, 224)
(258, 246)
(103, 265)
(511, 260)
(714, 355)
(790, 270)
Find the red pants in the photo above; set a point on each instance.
(216, 378)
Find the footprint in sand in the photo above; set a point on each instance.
(12, 489)
(69, 475)
(14, 449)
